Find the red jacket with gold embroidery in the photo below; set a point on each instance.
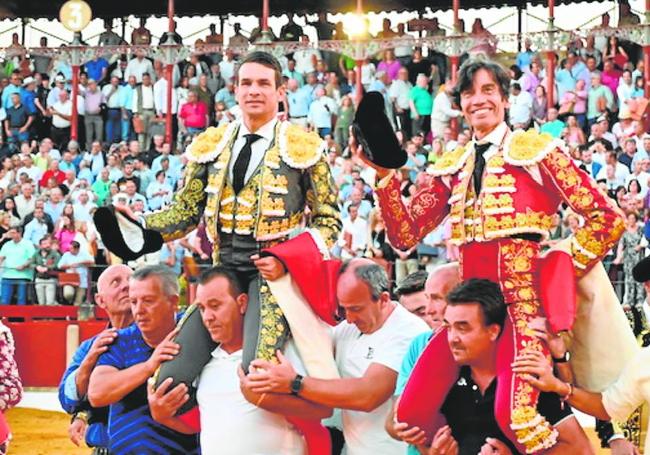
(523, 184)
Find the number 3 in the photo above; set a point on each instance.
(76, 16)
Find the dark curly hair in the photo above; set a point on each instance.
(471, 67)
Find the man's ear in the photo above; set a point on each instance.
(174, 299)
(494, 330)
(242, 301)
(100, 301)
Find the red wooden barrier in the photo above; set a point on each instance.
(41, 349)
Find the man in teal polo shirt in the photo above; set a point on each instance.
(16, 256)
(440, 282)
(421, 103)
(553, 126)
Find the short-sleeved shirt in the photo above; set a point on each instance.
(355, 352)
(194, 115)
(16, 254)
(131, 428)
(17, 116)
(232, 425)
(413, 353)
(422, 100)
(470, 415)
(94, 68)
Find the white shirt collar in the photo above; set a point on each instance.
(219, 353)
(495, 136)
(267, 131)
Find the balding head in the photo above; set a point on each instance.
(441, 280)
(113, 294)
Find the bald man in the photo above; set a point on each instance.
(424, 294)
(441, 280)
(113, 296)
(369, 346)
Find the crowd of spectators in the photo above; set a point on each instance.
(50, 185)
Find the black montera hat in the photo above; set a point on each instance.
(374, 132)
(641, 271)
(125, 237)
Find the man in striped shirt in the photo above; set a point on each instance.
(120, 377)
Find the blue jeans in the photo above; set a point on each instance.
(17, 136)
(113, 125)
(8, 290)
(127, 131)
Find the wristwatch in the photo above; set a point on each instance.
(296, 385)
(564, 359)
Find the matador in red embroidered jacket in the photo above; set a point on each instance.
(500, 193)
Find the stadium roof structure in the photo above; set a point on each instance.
(120, 8)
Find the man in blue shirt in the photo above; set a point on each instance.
(126, 105)
(299, 101)
(96, 69)
(28, 95)
(113, 296)
(13, 87)
(121, 375)
(440, 281)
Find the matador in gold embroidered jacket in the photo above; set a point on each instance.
(527, 176)
(290, 190)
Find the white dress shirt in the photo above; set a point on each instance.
(147, 99)
(137, 68)
(258, 148)
(160, 97)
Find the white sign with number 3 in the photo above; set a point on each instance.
(75, 15)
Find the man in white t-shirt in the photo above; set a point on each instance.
(233, 425)
(369, 345)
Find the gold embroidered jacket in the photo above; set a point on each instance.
(523, 185)
(293, 174)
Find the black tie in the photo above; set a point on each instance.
(241, 164)
(479, 165)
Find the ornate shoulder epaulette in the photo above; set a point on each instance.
(299, 148)
(208, 145)
(525, 148)
(451, 162)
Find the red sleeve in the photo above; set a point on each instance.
(407, 225)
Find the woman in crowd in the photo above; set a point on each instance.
(573, 133)
(615, 52)
(183, 91)
(65, 231)
(540, 105)
(631, 249)
(7, 173)
(437, 149)
(9, 207)
(633, 197)
(5, 225)
(343, 122)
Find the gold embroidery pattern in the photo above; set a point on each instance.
(274, 329)
(603, 225)
(186, 210)
(298, 148)
(526, 148)
(494, 181)
(321, 198)
(451, 162)
(517, 263)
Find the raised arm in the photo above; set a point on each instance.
(407, 225)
